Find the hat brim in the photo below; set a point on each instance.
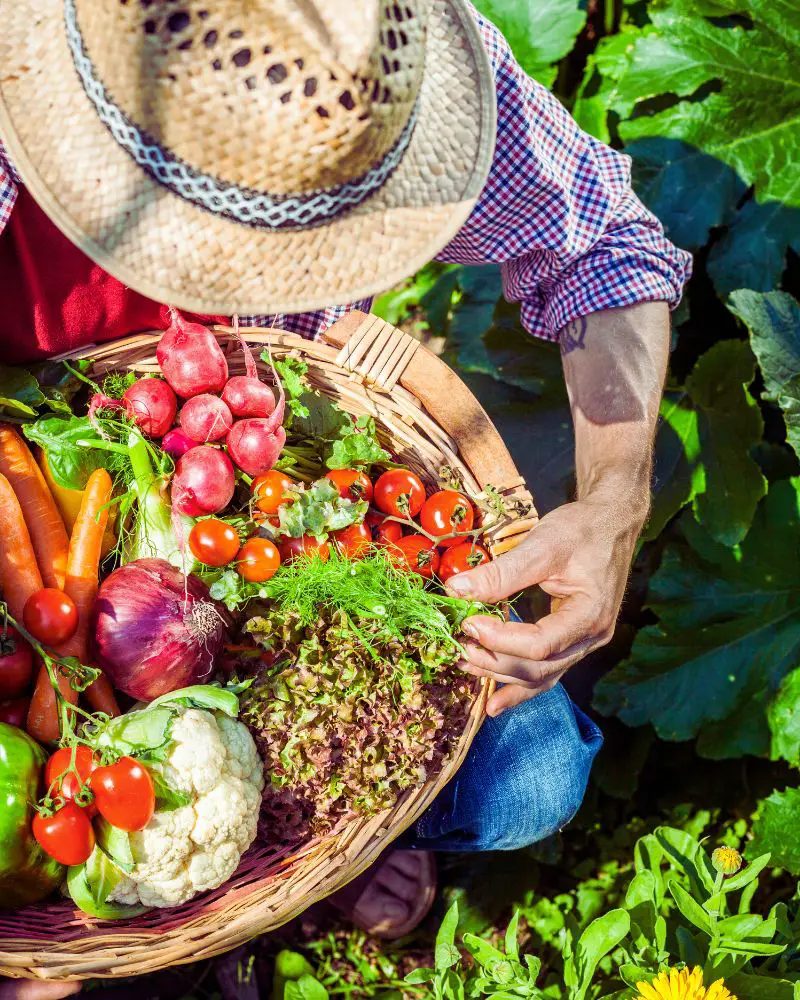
(175, 252)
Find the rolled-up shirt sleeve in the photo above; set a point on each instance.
(8, 188)
(559, 215)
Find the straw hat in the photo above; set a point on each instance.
(253, 156)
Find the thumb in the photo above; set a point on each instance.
(527, 564)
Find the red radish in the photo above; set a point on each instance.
(152, 404)
(191, 360)
(246, 395)
(255, 443)
(203, 482)
(176, 443)
(205, 418)
(101, 402)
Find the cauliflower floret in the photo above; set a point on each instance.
(197, 847)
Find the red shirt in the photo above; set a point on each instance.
(55, 299)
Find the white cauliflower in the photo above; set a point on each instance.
(198, 847)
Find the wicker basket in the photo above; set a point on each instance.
(427, 418)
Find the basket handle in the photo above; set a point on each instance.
(380, 352)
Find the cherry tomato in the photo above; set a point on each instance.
(353, 541)
(417, 553)
(351, 484)
(124, 794)
(270, 491)
(461, 559)
(400, 493)
(445, 512)
(67, 835)
(258, 560)
(70, 784)
(383, 532)
(307, 545)
(50, 616)
(15, 713)
(16, 664)
(213, 542)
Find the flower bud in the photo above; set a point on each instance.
(726, 860)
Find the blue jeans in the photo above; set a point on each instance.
(524, 777)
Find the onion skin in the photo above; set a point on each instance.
(156, 630)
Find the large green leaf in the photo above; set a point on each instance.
(688, 190)
(539, 34)
(774, 323)
(784, 720)
(752, 119)
(19, 392)
(728, 631)
(703, 446)
(777, 821)
(752, 253)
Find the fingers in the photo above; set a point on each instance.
(527, 564)
(27, 989)
(511, 695)
(576, 621)
(536, 674)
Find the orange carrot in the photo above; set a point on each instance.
(43, 723)
(83, 565)
(46, 528)
(19, 571)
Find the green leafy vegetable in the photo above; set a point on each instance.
(85, 890)
(292, 372)
(774, 322)
(357, 446)
(115, 843)
(19, 392)
(319, 510)
(70, 463)
(784, 720)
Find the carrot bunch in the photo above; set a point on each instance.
(36, 552)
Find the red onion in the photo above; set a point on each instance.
(156, 630)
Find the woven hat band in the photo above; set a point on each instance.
(241, 204)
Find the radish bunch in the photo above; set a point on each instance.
(240, 411)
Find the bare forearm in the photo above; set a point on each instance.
(614, 364)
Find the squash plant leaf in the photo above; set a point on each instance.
(774, 323)
(539, 34)
(784, 720)
(728, 632)
(752, 119)
(775, 827)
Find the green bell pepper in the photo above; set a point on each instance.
(27, 874)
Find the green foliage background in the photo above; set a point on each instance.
(704, 95)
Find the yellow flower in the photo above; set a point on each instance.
(672, 984)
(726, 860)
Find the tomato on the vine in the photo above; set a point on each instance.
(384, 531)
(461, 559)
(67, 835)
(400, 493)
(70, 785)
(351, 484)
(258, 560)
(271, 491)
(213, 542)
(306, 545)
(124, 794)
(50, 616)
(353, 541)
(445, 512)
(416, 553)
(15, 713)
(16, 664)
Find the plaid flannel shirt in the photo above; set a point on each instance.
(557, 214)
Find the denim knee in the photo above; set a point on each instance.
(524, 778)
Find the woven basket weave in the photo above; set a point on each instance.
(427, 418)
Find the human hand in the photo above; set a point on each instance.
(580, 554)
(35, 989)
